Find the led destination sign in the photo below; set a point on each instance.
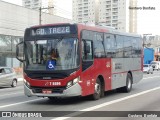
(51, 30)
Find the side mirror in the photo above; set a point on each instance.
(20, 52)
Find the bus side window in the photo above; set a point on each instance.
(87, 54)
(87, 51)
(83, 55)
(110, 45)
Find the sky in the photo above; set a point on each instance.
(148, 20)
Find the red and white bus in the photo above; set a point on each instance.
(65, 60)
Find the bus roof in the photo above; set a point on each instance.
(107, 29)
(45, 25)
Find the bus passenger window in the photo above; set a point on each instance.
(110, 45)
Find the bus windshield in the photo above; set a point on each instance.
(52, 54)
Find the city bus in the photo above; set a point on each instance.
(67, 60)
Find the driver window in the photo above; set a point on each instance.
(87, 52)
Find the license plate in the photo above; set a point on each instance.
(47, 91)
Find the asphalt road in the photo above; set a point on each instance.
(144, 96)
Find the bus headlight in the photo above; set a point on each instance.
(74, 81)
(69, 84)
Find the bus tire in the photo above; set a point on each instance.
(128, 86)
(97, 90)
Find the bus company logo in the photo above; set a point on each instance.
(52, 83)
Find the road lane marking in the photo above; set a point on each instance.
(150, 77)
(104, 104)
(3, 106)
(5, 90)
(10, 94)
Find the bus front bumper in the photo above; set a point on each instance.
(74, 90)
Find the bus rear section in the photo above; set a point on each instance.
(66, 60)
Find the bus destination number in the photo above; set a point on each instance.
(51, 31)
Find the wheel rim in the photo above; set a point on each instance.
(97, 88)
(129, 83)
(14, 83)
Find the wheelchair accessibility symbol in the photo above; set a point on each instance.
(51, 64)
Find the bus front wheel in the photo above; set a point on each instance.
(97, 90)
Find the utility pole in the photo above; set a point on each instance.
(40, 10)
(40, 13)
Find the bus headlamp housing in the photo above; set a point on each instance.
(69, 84)
(74, 81)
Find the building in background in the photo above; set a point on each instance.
(85, 11)
(115, 13)
(55, 7)
(157, 54)
(14, 20)
(133, 17)
(36, 4)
